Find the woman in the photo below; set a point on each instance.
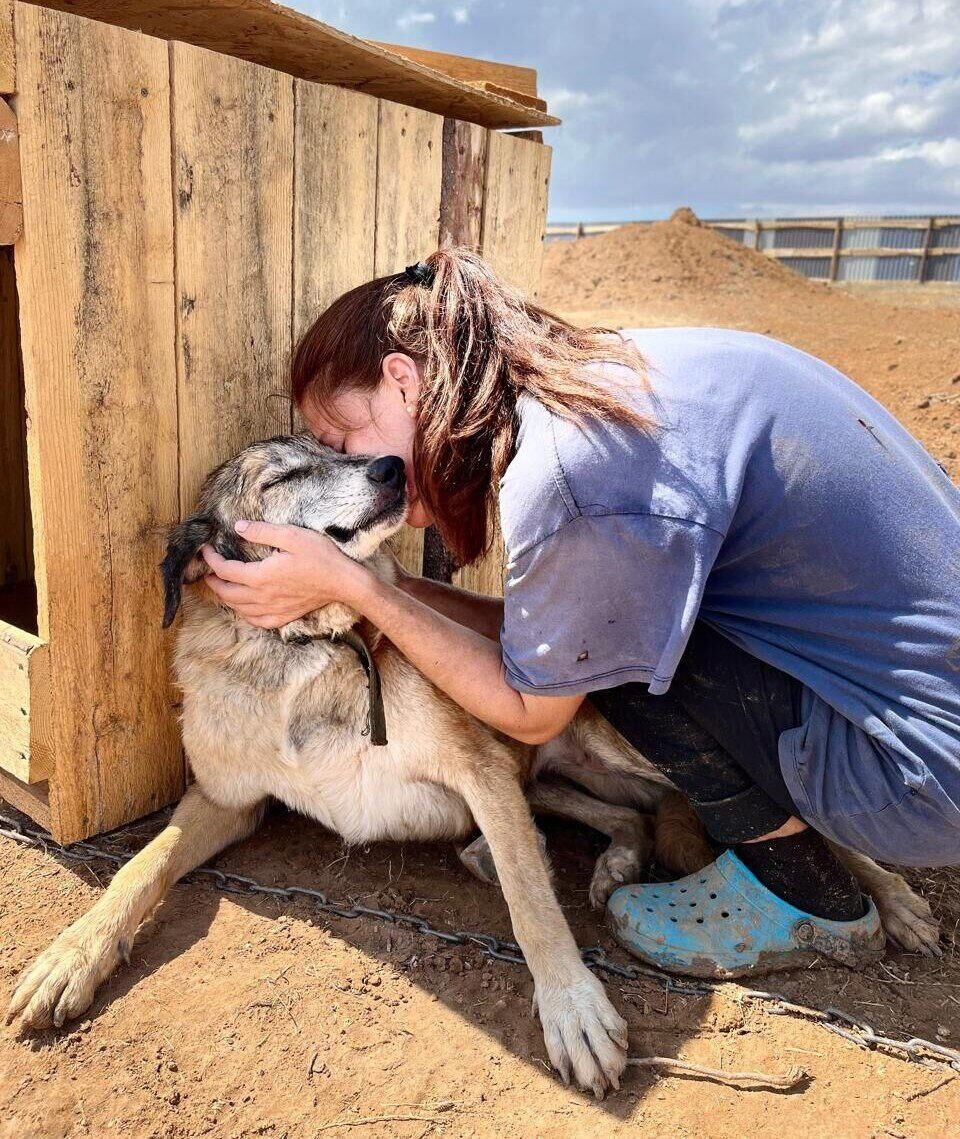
(747, 563)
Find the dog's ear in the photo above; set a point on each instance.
(183, 563)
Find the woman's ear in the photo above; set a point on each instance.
(402, 377)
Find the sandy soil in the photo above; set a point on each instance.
(242, 1017)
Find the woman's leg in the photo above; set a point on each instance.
(715, 735)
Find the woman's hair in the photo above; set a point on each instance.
(478, 345)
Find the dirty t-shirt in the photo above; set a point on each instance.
(781, 504)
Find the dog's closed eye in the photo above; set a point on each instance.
(289, 476)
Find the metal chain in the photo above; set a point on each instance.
(843, 1024)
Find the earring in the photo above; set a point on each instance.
(410, 409)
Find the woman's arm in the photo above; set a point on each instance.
(308, 571)
(477, 611)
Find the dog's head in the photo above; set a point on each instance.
(357, 500)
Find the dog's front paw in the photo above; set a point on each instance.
(907, 919)
(586, 1037)
(62, 981)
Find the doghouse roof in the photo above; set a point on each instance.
(478, 91)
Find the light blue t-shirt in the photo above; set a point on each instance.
(781, 504)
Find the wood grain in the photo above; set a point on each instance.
(461, 219)
(25, 743)
(335, 198)
(31, 799)
(11, 195)
(514, 209)
(95, 274)
(233, 162)
(514, 219)
(462, 183)
(267, 33)
(8, 54)
(467, 68)
(509, 93)
(409, 172)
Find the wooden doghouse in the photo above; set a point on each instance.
(191, 198)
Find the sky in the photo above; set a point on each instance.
(738, 108)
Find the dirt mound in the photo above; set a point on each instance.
(637, 263)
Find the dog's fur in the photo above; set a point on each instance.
(284, 714)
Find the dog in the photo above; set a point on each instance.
(293, 714)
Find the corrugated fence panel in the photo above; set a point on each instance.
(946, 237)
(799, 238)
(738, 235)
(882, 237)
(877, 268)
(816, 267)
(946, 268)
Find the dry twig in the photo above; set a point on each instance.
(793, 1076)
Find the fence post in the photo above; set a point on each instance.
(924, 252)
(835, 255)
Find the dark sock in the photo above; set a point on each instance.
(802, 870)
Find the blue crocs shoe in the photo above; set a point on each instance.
(723, 922)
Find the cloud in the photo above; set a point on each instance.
(732, 106)
(412, 19)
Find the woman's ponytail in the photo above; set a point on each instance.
(478, 344)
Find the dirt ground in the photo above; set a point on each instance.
(242, 1017)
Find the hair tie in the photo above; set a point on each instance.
(420, 274)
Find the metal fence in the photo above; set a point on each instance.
(914, 249)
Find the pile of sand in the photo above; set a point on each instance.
(641, 263)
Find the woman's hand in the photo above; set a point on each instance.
(305, 572)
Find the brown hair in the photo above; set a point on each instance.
(478, 345)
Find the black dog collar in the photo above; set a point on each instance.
(376, 716)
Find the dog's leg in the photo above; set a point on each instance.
(476, 857)
(906, 917)
(62, 981)
(681, 843)
(585, 1036)
(630, 834)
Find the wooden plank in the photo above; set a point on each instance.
(8, 54)
(233, 161)
(467, 68)
(925, 252)
(530, 136)
(267, 33)
(837, 249)
(409, 175)
(25, 743)
(514, 219)
(11, 194)
(95, 275)
(509, 93)
(462, 183)
(461, 222)
(14, 527)
(30, 800)
(335, 199)
(853, 251)
(514, 211)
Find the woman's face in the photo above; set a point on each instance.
(382, 422)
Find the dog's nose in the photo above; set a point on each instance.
(387, 470)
